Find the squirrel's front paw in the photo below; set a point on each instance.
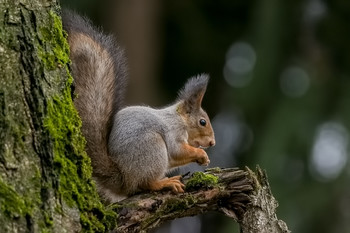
(203, 160)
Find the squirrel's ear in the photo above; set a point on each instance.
(193, 92)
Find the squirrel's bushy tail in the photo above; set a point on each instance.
(99, 72)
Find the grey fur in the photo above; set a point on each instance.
(145, 141)
(194, 86)
(130, 148)
(100, 73)
(193, 92)
(153, 135)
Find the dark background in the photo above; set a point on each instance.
(279, 94)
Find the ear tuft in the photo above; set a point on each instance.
(193, 92)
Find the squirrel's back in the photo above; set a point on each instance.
(144, 143)
(99, 71)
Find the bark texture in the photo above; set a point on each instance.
(45, 175)
(242, 195)
(45, 183)
(260, 216)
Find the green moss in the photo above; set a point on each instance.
(180, 204)
(214, 170)
(71, 163)
(48, 220)
(201, 180)
(172, 205)
(11, 203)
(55, 37)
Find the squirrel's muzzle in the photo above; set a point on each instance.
(212, 143)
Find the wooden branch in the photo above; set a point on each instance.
(232, 191)
(260, 215)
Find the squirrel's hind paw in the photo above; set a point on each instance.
(173, 183)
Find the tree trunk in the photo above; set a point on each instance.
(45, 183)
(45, 175)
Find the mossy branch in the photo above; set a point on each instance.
(236, 193)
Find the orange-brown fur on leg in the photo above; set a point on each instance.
(189, 154)
(173, 183)
(131, 148)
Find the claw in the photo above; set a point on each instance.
(173, 182)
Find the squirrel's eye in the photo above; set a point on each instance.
(202, 122)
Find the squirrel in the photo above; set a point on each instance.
(132, 148)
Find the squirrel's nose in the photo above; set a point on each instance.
(212, 143)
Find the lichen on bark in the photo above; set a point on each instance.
(70, 160)
(261, 216)
(45, 175)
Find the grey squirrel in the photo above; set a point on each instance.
(131, 148)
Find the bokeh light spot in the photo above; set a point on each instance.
(294, 82)
(240, 62)
(329, 154)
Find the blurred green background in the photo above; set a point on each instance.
(279, 94)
